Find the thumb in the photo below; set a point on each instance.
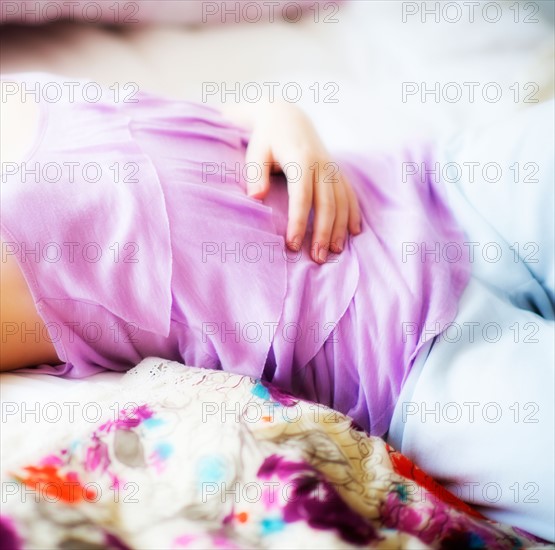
(259, 160)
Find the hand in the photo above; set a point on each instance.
(283, 134)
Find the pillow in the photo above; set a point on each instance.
(191, 12)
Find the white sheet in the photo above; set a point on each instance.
(369, 53)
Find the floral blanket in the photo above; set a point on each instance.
(189, 458)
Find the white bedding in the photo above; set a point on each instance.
(368, 54)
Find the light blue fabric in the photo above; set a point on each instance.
(499, 352)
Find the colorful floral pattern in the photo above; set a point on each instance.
(207, 459)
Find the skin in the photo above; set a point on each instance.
(17, 309)
(281, 134)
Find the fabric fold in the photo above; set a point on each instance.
(85, 203)
(229, 274)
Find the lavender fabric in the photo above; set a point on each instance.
(155, 249)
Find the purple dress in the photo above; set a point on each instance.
(132, 227)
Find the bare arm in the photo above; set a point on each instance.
(24, 340)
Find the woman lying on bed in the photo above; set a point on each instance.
(165, 228)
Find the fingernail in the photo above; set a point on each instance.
(294, 245)
(322, 255)
(337, 246)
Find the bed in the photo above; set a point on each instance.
(366, 70)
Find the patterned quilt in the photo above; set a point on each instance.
(188, 458)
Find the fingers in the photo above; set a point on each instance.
(339, 232)
(300, 204)
(261, 157)
(325, 213)
(355, 219)
(345, 215)
(336, 210)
